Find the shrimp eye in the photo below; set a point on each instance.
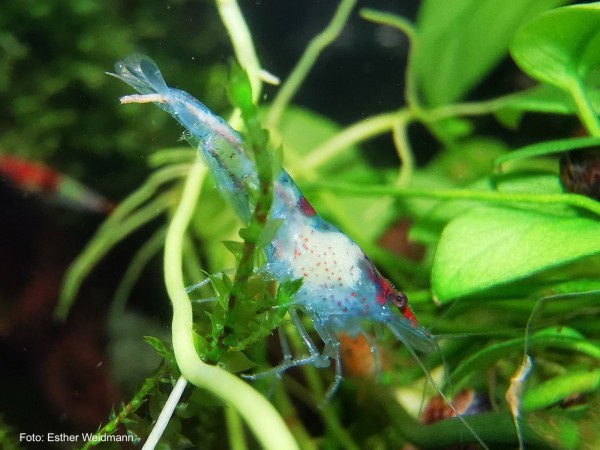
(400, 301)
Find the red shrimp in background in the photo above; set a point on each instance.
(35, 178)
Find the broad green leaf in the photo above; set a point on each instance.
(460, 41)
(560, 47)
(490, 246)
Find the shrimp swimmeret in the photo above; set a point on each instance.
(341, 287)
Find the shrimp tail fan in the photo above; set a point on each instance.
(220, 145)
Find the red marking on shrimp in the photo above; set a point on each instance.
(408, 314)
(306, 207)
(384, 290)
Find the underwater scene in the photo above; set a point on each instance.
(265, 224)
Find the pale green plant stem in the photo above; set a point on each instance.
(403, 25)
(145, 192)
(360, 131)
(307, 61)
(403, 148)
(141, 259)
(585, 111)
(235, 430)
(165, 414)
(260, 415)
(170, 156)
(243, 46)
(384, 123)
(481, 108)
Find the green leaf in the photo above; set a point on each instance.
(460, 41)
(235, 362)
(287, 289)
(561, 46)
(164, 349)
(558, 430)
(559, 388)
(240, 91)
(235, 247)
(267, 234)
(489, 246)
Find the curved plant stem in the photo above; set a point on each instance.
(306, 62)
(260, 415)
(404, 150)
(360, 131)
(385, 123)
(403, 25)
(235, 430)
(141, 259)
(241, 39)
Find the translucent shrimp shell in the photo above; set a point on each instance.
(342, 289)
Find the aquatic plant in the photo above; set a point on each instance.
(510, 258)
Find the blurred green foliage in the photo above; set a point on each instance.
(58, 104)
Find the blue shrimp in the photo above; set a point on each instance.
(341, 288)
